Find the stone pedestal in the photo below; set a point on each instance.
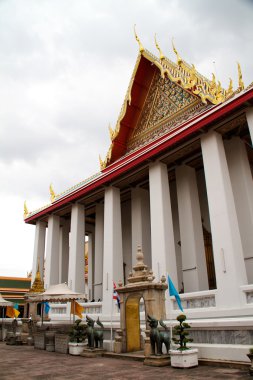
(39, 340)
(118, 342)
(157, 361)
(92, 352)
(50, 345)
(61, 343)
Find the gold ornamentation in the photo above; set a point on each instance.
(141, 48)
(111, 131)
(37, 286)
(240, 81)
(229, 91)
(102, 163)
(159, 49)
(26, 212)
(52, 193)
(179, 59)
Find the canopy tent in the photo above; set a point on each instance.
(3, 303)
(58, 293)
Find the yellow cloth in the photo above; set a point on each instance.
(11, 312)
(77, 309)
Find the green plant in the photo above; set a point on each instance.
(251, 350)
(181, 331)
(77, 333)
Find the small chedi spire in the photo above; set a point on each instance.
(141, 48)
(52, 193)
(37, 286)
(26, 212)
(159, 49)
(140, 271)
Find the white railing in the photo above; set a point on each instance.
(196, 300)
(248, 291)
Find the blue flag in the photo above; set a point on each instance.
(173, 292)
(15, 306)
(46, 307)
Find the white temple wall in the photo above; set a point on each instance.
(126, 237)
(242, 185)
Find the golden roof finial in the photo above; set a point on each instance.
(141, 48)
(240, 81)
(179, 59)
(159, 49)
(229, 91)
(101, 163)
(26, 212)
(111, 131)
(52, 193)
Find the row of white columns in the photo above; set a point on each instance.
(226, 178)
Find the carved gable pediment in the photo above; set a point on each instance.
(165, 106)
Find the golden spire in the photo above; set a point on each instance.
(229, 91)
(37, 286)
(179, 59)
(102, 163)
(159, 49)
(111, 131)
(52, 193)
(240, 81)
(141, 48)
(26, 212)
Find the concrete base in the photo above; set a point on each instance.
(92, 352)
(50, 347)
(157, 361)
(184, 359)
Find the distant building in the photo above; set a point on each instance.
(14, 288)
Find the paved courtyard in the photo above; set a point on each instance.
(23, 362)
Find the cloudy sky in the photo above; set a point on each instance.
(64, 70)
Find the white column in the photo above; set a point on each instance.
(64, 252)
(242, 185)
(227, 246)
(90, 267)
(191, 233)
(99, 243)
(113, 253)
(141, 234)
(52, 251)
(249, 117)
(39, 249)
(76, 250)
(126, 237)
(162, 235)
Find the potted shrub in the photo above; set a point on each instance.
(250, 356)
(77, 336)
(183, 356)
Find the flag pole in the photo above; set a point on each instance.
(111, 313)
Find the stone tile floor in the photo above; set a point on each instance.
(26, 363)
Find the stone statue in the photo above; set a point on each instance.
(157, 338)
(95, 336)
(14, 326)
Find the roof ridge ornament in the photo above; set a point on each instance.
(26, 212)
(159, 49)
(179, 59)
(141, 48)
(240, 81)
(52, 193)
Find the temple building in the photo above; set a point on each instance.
(176, 181)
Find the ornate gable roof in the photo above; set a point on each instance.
(161, 95)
